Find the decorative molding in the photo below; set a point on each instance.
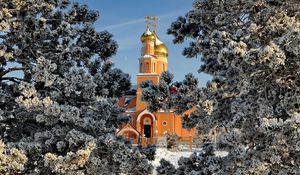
(143, 113)
(128, 127)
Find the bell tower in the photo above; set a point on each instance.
(153, 60)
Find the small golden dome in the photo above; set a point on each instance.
(160, 48)
(147, 36)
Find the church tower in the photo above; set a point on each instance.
(153, 60)
(145, 124)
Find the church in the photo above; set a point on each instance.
(145, 124)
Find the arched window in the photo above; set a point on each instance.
(163, 67)
(153, 65)
(147, 67)
(141, 67)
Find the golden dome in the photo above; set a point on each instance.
(160, 48)
(147, 36)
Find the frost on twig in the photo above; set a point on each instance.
(11, 161)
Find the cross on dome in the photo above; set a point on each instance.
(151, 20)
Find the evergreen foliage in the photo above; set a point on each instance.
(252, 50)
(149, 151)
(165, 168)
(59, 91)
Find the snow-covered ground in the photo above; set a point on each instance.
(173, 157)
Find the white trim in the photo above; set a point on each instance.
(143, 113)
(164, 111)
(128, 129)
(147, 56)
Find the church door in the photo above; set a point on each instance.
(147, 131)
(147, 122)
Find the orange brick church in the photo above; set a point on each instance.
(153, 61)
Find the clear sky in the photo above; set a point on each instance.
(125, 20)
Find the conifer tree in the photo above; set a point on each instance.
(252, 50)
(59, 91)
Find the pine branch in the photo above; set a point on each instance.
(13, 79)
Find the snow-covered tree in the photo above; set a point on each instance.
(252, 50)
(59, 91)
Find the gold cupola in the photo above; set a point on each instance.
(147, 36)
(160, 48)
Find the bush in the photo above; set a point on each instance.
(172, 140)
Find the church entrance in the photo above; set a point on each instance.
(147, 131)
(147, 122)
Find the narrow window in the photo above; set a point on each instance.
(141, 67)
(163, 67)
(147, 67)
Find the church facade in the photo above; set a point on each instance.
(153, 61)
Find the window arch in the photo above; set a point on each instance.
(141, 67)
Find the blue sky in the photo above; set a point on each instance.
(125, 20)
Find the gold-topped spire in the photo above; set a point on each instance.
(148, 36)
